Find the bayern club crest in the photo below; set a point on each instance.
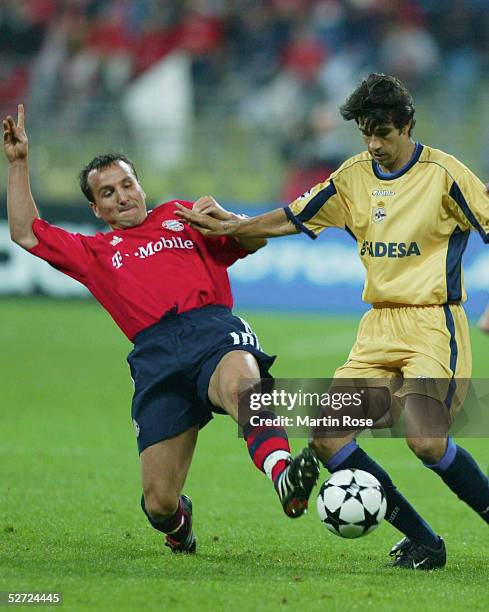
(174, 225)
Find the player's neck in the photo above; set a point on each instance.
(404, 157)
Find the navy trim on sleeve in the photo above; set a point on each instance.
(456, 247)
(458, 196)
(316, 203)
(300, 226)
(348, 230)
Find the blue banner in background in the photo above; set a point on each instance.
(290, 273)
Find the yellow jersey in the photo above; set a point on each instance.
(411, 226)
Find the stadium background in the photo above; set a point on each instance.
(237, 99)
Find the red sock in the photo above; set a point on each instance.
(268, 447)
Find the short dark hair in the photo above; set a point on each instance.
(380, 99)
(98, 163)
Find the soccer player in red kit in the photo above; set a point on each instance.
(166, 286)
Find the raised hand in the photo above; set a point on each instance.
(207, 205)
(15, 142)
(203, 222)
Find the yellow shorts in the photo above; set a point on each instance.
(414, 344)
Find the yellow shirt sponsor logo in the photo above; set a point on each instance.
(389, 249)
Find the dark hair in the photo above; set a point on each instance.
(378, 100)
(98, 163)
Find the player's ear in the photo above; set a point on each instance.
(94, 208)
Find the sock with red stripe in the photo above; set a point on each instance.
(268, 446)
(176, 525)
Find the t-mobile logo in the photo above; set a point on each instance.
(175, 242)
(117, 260)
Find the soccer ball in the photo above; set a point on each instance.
(351, 503)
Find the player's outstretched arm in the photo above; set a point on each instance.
(270, 225)
(21, 207)
(207, 205)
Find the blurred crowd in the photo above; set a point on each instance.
(282, 66)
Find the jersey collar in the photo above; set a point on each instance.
(388, 176)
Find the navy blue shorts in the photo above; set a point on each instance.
(172, 363)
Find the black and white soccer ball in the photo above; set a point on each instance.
(351, 503)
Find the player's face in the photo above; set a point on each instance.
(388, 145)
(118, 197)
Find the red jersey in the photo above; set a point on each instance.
(140, 273)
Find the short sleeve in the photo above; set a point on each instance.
(66, 251)
(319, 208)
(470, 202)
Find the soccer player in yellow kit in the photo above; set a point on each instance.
(410, 209)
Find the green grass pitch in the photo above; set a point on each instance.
(69, 503)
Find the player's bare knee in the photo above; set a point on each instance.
(429, 450)
(231, 380)
(225, 395)
(230, 392)
(160, 506)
